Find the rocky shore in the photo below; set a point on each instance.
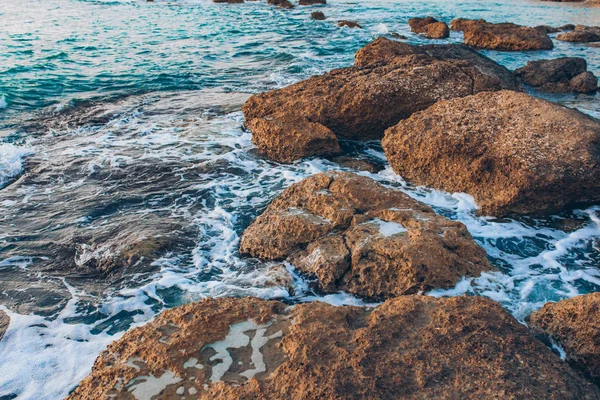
(448, 118)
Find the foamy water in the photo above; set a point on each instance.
(96, 176)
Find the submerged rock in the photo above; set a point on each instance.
(311, 2)
(359, 164)
(359, 103)
(512, 152)
(318, 16)
(411, 347)
(581, 34)
(504, 36)
(354, 234)
(430, 27)
(349, 24)
(575, 325)
(4, 322)
(280, 3)
(558, 75)
(229, 1)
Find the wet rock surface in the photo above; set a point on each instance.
(349, 24)
(581, 34)
(359, 103)
(559, 75)
(318, 16)
(430, 27)
(353, 234)
(512, 152)
(412, 347)
(503, 36)
(574, 324)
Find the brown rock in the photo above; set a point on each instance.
(430, 27)
(512, 152)
(586, 82)
(398, 36)
(493, 75)
(412, 347)
(4, 322)
(575, 325)
(318, 16)
(504, 36)
(356, 103)
(311, 2)
(355, 235)
(359, 164)
(229, 1)
(546, 29)
(286, 140)
(581, 34)
(349, 24)
(281, 3)
(552, 75)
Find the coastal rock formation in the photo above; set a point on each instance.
(229, 1)
(4, 322)
(559, 75)
(354, 234)
(359, 103)
(318, 16)
(581, 34)
(311, 2)
(349, 24)
(512, 152)
(575, 325)
(430, 27)
(411, 347)
(493, 75)
(281, 3)
(504, 36)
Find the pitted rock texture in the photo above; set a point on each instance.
(411, 347)
(512, 152)
(504, 36)
(561, 75)
(581, 34)
(430, 27)
(353, 234)
(355, 103)
(575, 325)
(493, 75)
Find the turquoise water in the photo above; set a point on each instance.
(119, 120)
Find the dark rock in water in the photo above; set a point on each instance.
(581, 34)
(573, 324)
(349, 24)
(398, 36)
(410, 347)
(318, 16)
(512, 152)
(494, 76)
(359, 103)
(430, 27)
(546, 29)
(552, 75)
(311, 2)
(504, 36)
(355, 235)
(281, 3)
(359, 164)
(586, 82)
(4, 322)
(229, 1)
(567, 27)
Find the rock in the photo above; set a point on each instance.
(594, 44)
(355, 235)
(586, 82)
(358, 103)
(359, 164)
(318, 16)
(286, 140)
(430, 27)
(581, 34)
(494, 76)
(229, 1)
(573, 324)
(504, 36)
(512, 152)
(546, 29)
(349, 24)
(398, 36)
(567, 27)
(411, 347)
(281, 3)
(4, 322)
(552, 75)
(311, 2)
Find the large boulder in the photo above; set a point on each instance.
(504, 36)
(353, 234)
(581, 34)
(558, 74)
(357, 103)
(575, 325)
(512, 152)
(411, 347)
(430, 27)
(493, 75)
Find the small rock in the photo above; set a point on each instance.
(552, 75)
(504, 36)
(229, 1)
(349, 24)
(586, 82)
(430, 27)
(581, 34)
(281, 3)
(398, 36)
(358, 164)
(318, 16)
(311, 2)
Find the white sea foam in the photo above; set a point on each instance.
(11, 161)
